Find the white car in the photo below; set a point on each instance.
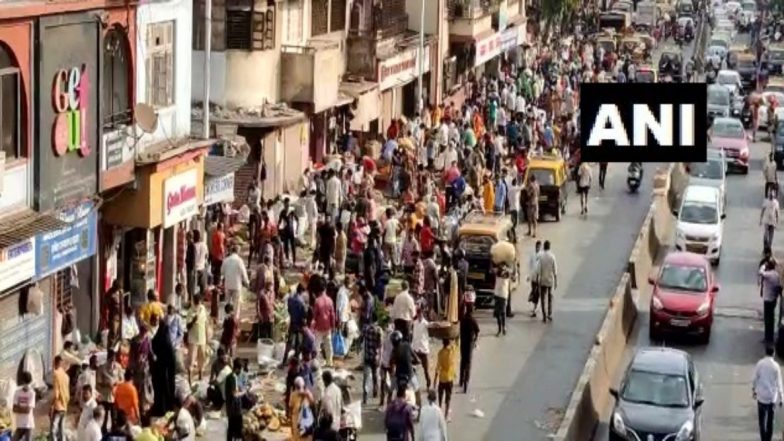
(731, 80)
(727, 27)
(711, 173)
(700, 225)
(733, 7)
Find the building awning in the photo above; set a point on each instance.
(357, 88)
(264, 117)
(25, 224)
(467, 39)
(222, 165)
(168, 149)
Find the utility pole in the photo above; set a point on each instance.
(207, 51)
(421, 58)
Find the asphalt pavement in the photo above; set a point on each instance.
(726, 364)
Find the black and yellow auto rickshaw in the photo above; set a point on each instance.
(476, 235)
(552, 176)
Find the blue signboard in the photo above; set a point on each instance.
(56, 250)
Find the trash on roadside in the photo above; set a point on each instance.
(477, 413)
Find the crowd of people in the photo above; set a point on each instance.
(443, 161)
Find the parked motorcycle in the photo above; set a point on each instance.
(634, 177)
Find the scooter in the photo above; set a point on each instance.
(634, 178)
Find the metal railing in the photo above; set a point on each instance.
(472, 9)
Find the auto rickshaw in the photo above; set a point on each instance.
(476, 235)
(647, 74)
(608, 43)
(552, 176)
(631, 44)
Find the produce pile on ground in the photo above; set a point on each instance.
(262, 417)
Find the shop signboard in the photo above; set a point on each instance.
(17, 264)
(219, 189)
(180, 198)
(496, 44)
(58, 249)
(66, 165)
(402, 68)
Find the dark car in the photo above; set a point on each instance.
(671, 64)
(659, 399)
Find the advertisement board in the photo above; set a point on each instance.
(17, 264)
(67, 144)
(180, 198)
(219, 189)
(58, 249)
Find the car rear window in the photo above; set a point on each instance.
(683, 278)
(476, 244)
(543, 176)
(655, 389)
(707, 170)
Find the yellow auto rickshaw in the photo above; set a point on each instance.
(735, 51)
(476, 235)
(552, 176)
(631, 44)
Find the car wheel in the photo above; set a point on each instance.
(558, 214)
(745, 170)
(705, 338)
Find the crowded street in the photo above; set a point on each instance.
(322, 220)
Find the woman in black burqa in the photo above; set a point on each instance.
(163, 368)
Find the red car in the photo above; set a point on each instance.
(684, 297)
(728, 134)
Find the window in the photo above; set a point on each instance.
(10, 106)
(116, 109)
(250, 26)
(160, 64)
(239, 29)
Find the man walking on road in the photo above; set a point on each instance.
(771, 289)
(603, 170)
(769, 218)
(532, 204)
(533, 265)
(770, 172)
(547, 276)
(584, 178)
(767, 391)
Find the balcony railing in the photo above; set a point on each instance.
(388, 27)
(472, 9)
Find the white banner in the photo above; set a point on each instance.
(490, 47)
(402, 68)
(219, 189)
(180, 198)
(17, 264)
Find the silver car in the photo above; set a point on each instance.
(711, 173)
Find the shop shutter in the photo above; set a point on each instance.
(20, 333)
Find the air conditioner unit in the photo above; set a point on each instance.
(2, 171)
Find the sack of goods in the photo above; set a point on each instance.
(503, 252)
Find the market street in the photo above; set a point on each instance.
(543, 360)
(726, 364)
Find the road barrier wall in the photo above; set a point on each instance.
(591, 395)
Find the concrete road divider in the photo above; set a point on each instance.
(591, 394)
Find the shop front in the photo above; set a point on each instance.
(397, 82)
(21, 327)
(149, 223)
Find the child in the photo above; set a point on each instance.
(231, 330)
(446, 374)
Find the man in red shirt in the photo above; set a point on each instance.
(217, 252)
(426, 237)
(324, 321)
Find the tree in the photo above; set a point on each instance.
(554, 11)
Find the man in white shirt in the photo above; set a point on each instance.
(403, 310)
(547, 277)
(88, 406)
(235, 276)
(333, 195)
(767, 391)
(332, 401)
(420, 343)
(584, 179)
(391, 230)
(92, 432)
(520, 104)
(184, 424)
(24, 404)
(769, 218)
(432, 426)
(501, 293)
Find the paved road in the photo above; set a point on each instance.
(727, 363)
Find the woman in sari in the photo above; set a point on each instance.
(139, 364)
(163, 366)
(300, 397)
